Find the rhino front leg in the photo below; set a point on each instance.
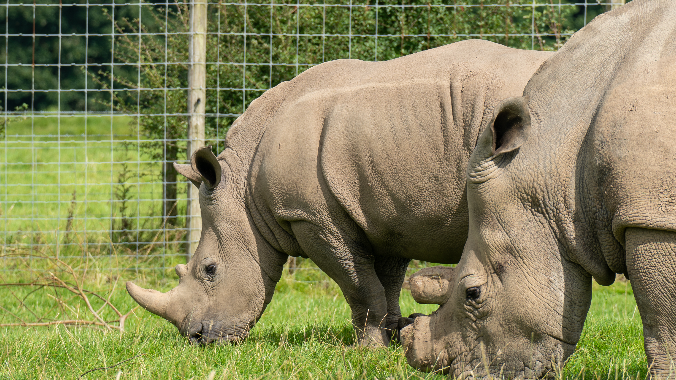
(344, 256)
(391, 272)
(651, 263)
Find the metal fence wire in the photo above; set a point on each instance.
(94, 100)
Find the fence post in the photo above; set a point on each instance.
(196, 101)
(614, 4)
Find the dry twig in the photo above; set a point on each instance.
(76, 288)
(112, 366)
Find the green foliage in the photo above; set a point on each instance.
(61, 39)
(251, 48)
(328, 30)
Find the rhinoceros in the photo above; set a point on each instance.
(574, 180)
(359, 166)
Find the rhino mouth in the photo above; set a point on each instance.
(477, 360)
(542, 363)
(207, 332)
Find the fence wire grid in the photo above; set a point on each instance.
(94, 100)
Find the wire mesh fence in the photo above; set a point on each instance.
(94, 100)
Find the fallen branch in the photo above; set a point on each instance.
(75, 322)
(112, 366)
(53, 282)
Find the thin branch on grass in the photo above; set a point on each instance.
(63, 305)
(22, 303)
(112, 366)
(73, 322)
(9, 312)
(55, 282)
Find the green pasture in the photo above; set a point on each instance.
(71, 179)
(304, 334)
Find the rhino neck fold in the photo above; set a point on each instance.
(271, 258)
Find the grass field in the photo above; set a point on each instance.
(304, 334)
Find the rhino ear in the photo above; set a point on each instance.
(187, 172)
(510, 125)
(205, 164)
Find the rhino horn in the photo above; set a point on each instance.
(187, 172)
(432, 285)
(151, 300)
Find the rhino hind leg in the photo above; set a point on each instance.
(343, 256)
(391, 272)
(651, 263)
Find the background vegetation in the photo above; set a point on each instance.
(90, 200)
(130, 63)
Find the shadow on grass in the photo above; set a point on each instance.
(300, 335)
(323, 334)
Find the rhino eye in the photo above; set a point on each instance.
(210, 269)
(473, 293)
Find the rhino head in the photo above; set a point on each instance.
(516, 306)
(223, 289)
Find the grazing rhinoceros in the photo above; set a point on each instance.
(359, 166)
(573, 181)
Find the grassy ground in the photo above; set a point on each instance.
(304, 334)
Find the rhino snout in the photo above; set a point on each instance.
(419, 347)
(210, 331)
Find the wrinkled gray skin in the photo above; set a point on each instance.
(359, 166)
(573, 181)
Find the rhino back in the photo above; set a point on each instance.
(593, 105)
(385, 143)
(394, 150)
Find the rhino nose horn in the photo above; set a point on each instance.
(419, 345)
(181, 270)
(151, 300)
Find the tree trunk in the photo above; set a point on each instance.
(614, 4)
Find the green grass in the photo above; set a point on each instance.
(612, 340)
(304, 334)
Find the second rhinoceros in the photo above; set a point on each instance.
(573, 181)
(359, 166)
